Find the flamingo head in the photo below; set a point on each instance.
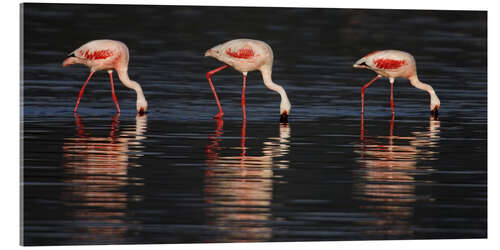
(285, 108)
(435, 105)
(142, 106)
(435, 109)
(284, 118)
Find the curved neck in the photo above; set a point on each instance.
(268, 81)
(420, 85)
(424, 86)
(123, 75)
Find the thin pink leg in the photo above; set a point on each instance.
(243, 97)
(114, 127)
(363, 92)
(209, 73)
(81, 91)
(362, 132)
(212, 150)
(392, 97)
(79, 125)
(391, 128)
(243, 138)
(243, 148)
(110, 72)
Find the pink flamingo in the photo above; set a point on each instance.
(393, 64)
(247, 55)
(107, 55)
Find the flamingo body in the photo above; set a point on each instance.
(100, 55)
(244, 55)
(107, 55)
(396, 64)
(247, 55)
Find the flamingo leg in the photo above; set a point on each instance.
(81, 91)
(210, 73)
(392, 95)
(79, 125)
(212, 150)
(114, 127)
(243, 139)
(362, 132)
(110, 72)
(243, 103)
(391, 127)
(363, 92)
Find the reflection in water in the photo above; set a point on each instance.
(238, 188)
(96, 171)
(386, 181)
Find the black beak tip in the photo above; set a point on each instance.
(284, 118)
(435, 113)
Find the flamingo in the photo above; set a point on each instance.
(246, 55)
(107, 55)
(393, 64)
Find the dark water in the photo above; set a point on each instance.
(177, 176)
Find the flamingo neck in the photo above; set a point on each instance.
(285, 105)
(141, 99)
(435, 103)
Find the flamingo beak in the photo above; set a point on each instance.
(434, 112)
(284, 117)
(141, 112)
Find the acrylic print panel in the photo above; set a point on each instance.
(177, 175)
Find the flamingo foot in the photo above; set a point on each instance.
(219, 115)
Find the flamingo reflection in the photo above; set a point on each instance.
(238, 188)
(96, 173)
(388, 177)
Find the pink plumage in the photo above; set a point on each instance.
(244, 53)
(107, 55)
(395, 64)
(247, 55)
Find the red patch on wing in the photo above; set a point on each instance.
(372, 53)
(384, 63)
(98, 54)
(244, 53)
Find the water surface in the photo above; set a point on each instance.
(176, 175)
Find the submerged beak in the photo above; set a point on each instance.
(434, 112)
(284, 117)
